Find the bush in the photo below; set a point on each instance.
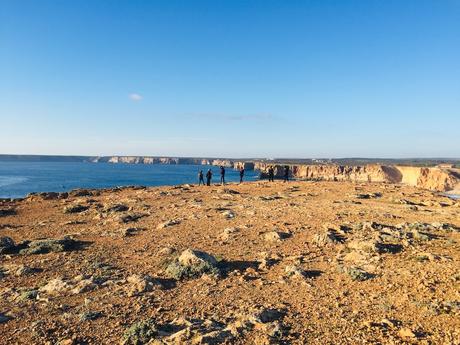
(140, 333)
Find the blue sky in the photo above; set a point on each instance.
(231, 78)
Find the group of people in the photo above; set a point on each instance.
(271, 175)
(222, 176)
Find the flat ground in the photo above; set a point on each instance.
(298, 263)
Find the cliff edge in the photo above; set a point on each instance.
(433, 178)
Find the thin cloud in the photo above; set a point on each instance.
(135, 97)
(227, 117)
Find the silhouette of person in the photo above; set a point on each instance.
(208, 177)
(222, 175)
(241, 174)
(271, 174)
(200, 178)
(286, 173)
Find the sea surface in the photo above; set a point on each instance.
(17, 179)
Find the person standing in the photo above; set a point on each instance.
(200, 178)
(271, 174)
(241, 174)
(208, 177)
(222, 175)
(286, 173)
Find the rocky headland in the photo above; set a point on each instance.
(305, 262)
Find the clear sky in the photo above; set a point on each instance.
(231, 78)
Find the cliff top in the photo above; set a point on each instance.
(300, 262)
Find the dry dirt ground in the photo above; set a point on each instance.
(294, 263)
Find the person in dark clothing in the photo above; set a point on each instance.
(222, 175)
(271, 174)
(286, 173)
(208, 177)
(200, 178)
(241, 174)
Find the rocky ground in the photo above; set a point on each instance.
(258, 263)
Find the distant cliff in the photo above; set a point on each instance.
(228, 163)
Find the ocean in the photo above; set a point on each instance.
(17, 179)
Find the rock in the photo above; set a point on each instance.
(270, 315)
(83, 285)
(23, 270)
(227, 233)
(6, 245)
(75, 208)
(52, 195)
(169, 223)
(139, 284)
(228, 214)
(129, 231)
(55, 287)
(90, 315)
(192, 264)
(190, 257)
(80, 193)
(294, 272)
(270, 197)
(327, 237)
(275, 236)
(366, 246)
(117, 208)
(227, 191)
(213, 338)
(4, 318)
(420, 236)
(368, 195)
(7, 212)
(406, 333)
(131, 217)
(166, 251)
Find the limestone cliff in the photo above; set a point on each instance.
(244, 165)
(222, 162)
(438, 179)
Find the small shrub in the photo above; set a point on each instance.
(29, 294)
(358, 274)
(178, 271)
(140, 333)
(49, 245)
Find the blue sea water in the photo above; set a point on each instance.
(17, 179)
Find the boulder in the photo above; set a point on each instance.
(139, 284)
(192, 264)
(6, 245)
(190, 257)
(55, 287)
